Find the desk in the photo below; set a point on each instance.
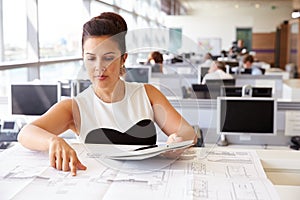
(291, 89)
(195, 176)
(282, 167)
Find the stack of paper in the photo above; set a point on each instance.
(149, 151)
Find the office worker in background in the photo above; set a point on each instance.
(207, 60)
(155, 59)
(241, 49)
(238, 49)
(249, 67)
(206, 63)
(217, 71)
(110, 108)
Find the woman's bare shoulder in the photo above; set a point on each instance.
(66, 106)
(154, 94)
(151, 90)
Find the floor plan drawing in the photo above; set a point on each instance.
(199, 173)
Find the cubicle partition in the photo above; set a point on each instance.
(173, 85)
(274, 81)
(179, 68)
(203, 112)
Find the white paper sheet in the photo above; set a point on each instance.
(18, 168)
(198, 174)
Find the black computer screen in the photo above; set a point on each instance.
(212, 88)
(201, 91)
(8, 125)
(230, 91)
(32, 99)
(220, 82)
(138, 74)
(238, 115)
(83, 84)
(202, 72)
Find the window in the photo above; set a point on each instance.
(126, 5)
(35, 32)
(60, 71)
(130, 19)
(97, 8)
(60, 28)
(14, 31)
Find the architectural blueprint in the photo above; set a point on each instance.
(200, 173)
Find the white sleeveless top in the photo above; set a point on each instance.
(119, 116)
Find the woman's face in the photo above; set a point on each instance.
(103, 61)
(247, 65)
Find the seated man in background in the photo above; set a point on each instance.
(156, 60)
(238, 49)
(217, 71)
(249, 67)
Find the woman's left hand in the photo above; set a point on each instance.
(174, 153)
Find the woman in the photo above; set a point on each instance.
(110, 110)
(156, 59)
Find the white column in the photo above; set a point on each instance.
(32, 39)
(1, 33)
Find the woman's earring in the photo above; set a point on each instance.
(122, 70)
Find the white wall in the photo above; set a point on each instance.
(220, 19)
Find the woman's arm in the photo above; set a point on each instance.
(167, 118)
(42, 134)
(39, 133)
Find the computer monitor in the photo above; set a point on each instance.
(220, 82)
(9, 127)
(66, 89)
(240, 115)
(202, 71)
(141, 74)
(201, 91)
(80, 85)
(212, 88)
(236, 91)
(33, 99)
(246, 71)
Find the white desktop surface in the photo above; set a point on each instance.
(291, 89)
(288, 192)
(282, 167)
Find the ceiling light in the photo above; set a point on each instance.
(296, 14)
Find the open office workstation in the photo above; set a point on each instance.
(240, 120)
(246, 126)
(247, 115)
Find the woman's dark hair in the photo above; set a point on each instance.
(157, 57)
(106, 24)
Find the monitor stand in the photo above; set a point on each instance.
(222, 140)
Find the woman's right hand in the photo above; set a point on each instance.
(63, 157)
